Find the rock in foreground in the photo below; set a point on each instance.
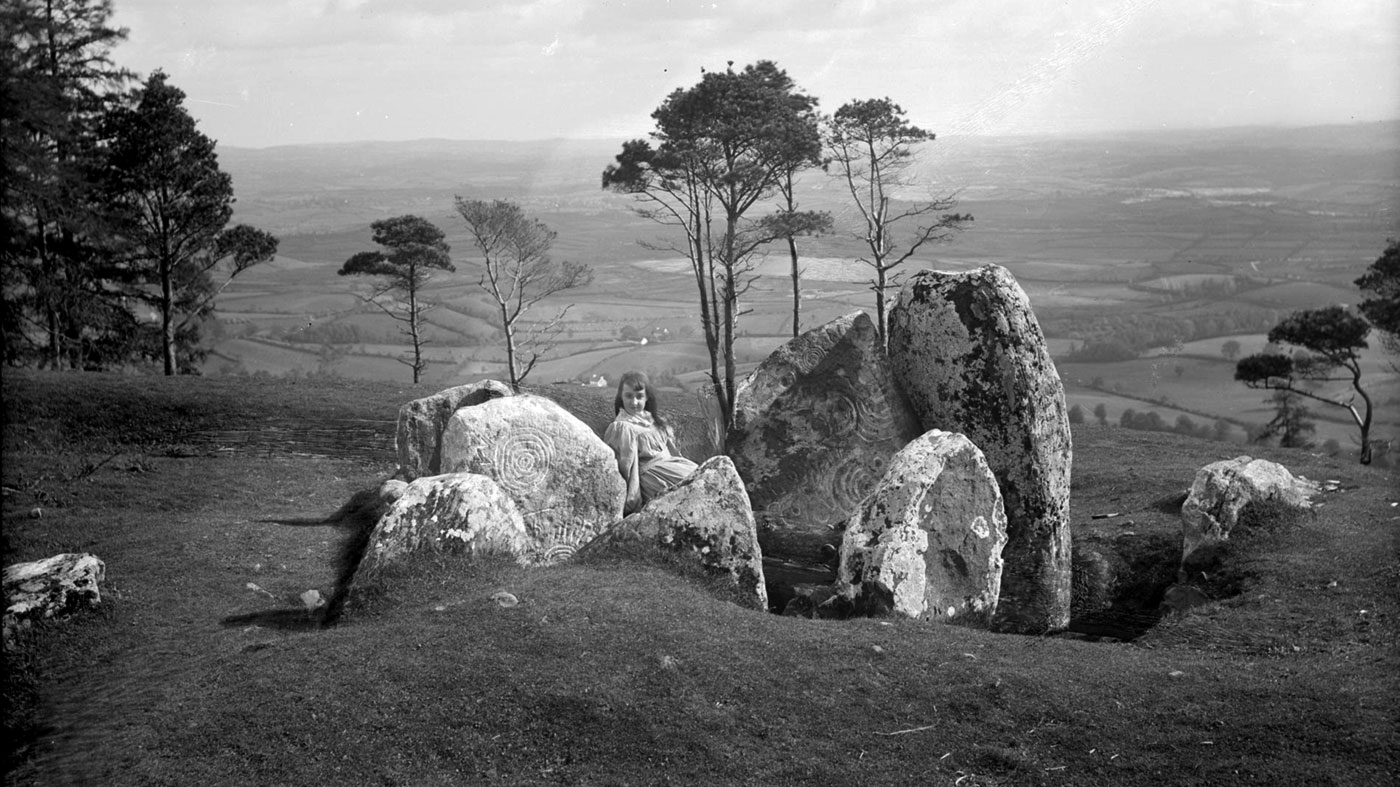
(418, 436)
(814, 426)
(970, 356)
(49, 589)
(561, 475)
(460, 513)
(706, 518)
(1221, 490)
(928, 541)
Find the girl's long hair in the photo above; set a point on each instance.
(636, 379)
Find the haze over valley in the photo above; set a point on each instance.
(1168, 244)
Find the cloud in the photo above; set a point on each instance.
(479, 68)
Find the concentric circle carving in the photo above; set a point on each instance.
(522, 459)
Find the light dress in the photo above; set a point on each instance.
(644, 458)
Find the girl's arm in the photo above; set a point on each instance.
(623, 442)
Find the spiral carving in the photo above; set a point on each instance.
(843, 413)
(875, 420)
(851, 483)
(522, 459)
(558, 553)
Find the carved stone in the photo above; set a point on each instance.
(814, 427)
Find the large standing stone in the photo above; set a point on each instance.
(1221, 490)
(560, 474)
(49, 589)
(707, 518)
(460, 513)
(928, 541)
(814, 426)
(970, 356)
(418, 436)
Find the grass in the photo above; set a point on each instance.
(619, 674)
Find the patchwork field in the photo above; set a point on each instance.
(1170, 243)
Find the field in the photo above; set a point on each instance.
(202, 667)
(1173, 243)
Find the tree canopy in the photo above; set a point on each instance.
(168, 206)
(413, 247)
(871, 145)
(1332, 339)
(1381, 282)
(722, 147)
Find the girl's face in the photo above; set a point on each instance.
(634, 399)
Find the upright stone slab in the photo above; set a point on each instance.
(560, 474)
(970, 356)
(928, 541)
(418, 436)
(814, 426)
(460, 513)
(706, 518)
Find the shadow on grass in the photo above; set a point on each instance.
(279, 619)
(297, 522)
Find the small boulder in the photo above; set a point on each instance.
(1221, 490)
(970, 356)
(561, 475)
(418, 436)
(459, 513)
(706, 518)
(48, 589)
(928, 541)
(814, 426)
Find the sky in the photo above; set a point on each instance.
(260, 73)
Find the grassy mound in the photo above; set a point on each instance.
(202, 666)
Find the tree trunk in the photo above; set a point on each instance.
(508, 328)
(413, 334)
(167, 318)
(880, 284)
(796, 289)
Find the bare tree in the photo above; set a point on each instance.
(871, 144)
(415, 247)
(517, 272)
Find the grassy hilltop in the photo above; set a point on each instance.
(200, 668)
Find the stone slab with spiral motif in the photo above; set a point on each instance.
(418, 434)
(968, 352)
(814, 426)
(705, 519)
(561, 475)
(928, 541)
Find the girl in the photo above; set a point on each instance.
(644, 443)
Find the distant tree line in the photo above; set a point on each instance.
(1122, 336)
(114, 236)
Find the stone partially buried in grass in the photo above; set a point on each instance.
(928, 541)
(707, 519)
(561, 475)
(49, 589)
(460, 513)
(1222, 490)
